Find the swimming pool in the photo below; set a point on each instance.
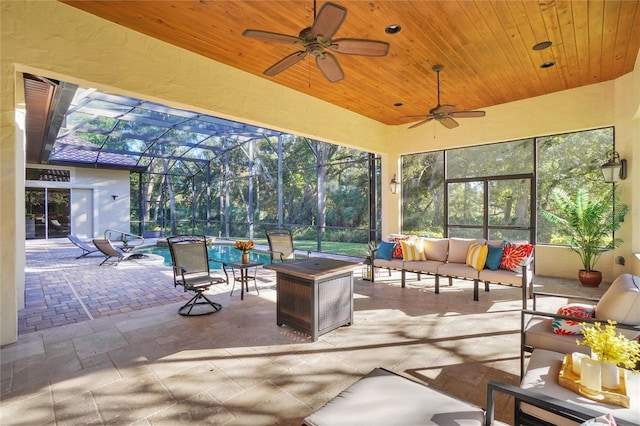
(221, 252)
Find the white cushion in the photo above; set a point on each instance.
(458, 270)
(621, 302)
(384, 398)
(539, 335)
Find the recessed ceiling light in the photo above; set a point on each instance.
(542, 45)
(393, 29)
(398, 104)
(547, 64)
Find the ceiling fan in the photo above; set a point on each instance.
(444, 114)
(317, 41)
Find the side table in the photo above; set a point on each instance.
(244, 279)
(542, 377)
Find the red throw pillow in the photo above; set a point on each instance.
(513, 256)
(397, 252)
(568, 327)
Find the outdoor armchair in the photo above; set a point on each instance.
(620, 303)
(190, 263)
(281, 245)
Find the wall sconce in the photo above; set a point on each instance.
(115, 197)
(394, 184)
(614, 168)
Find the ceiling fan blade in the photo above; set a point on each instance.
(330, 67)
(449, 122)
(420, 123)
(443, 109)
(354, 46)
(285, 63)
(416, 116)
(467, 114)
(329, 19)
(269, 36)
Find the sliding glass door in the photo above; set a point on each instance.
(47, 213)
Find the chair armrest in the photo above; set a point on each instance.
(625, 326)
(535, 294)
(545, 402)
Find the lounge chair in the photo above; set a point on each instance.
(190, 262)
(84, 246)
(112, 254)
(281, 245)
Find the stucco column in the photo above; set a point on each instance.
(391, 203)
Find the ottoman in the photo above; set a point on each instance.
(385, 398)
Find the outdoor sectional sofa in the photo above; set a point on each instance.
(452, 258)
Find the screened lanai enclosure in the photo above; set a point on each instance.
(196, 173)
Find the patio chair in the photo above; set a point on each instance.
(84, 246)
(281, 245)
(112, 255)
(620, 303)
(190, 262)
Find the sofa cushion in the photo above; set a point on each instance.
(458, 270)
(385, 398)
(436, 248)
(412, 251)
(458, 249)
(568, 327)
(494, 256)
(539, 335)
(621, 302)
(477, 256)
(505, 277)
(385, 250)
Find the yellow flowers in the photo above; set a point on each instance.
(611, 347)
(244, 245)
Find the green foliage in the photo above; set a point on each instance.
(589, 223)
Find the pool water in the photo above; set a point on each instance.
(223, 253)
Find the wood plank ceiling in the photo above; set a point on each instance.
(485, 46)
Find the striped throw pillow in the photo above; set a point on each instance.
(412, 251)
(477, 256)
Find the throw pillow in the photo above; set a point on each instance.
(568, 327)
(477, 256)
(397, 251)
(385, 250)
(513, 256)
(494, 256)
(411, 251)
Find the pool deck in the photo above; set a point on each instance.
(60, 289)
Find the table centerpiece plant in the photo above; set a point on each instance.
(612, 349)
(245, 247)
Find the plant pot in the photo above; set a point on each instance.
(590, 278)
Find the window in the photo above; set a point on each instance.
(488, 191)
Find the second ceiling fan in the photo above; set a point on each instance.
(444, 114)
(317, 41)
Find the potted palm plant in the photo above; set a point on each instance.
(589, 223)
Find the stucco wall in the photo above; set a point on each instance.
(55, 40)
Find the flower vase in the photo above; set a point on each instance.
(245, 257)
(610, 375)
